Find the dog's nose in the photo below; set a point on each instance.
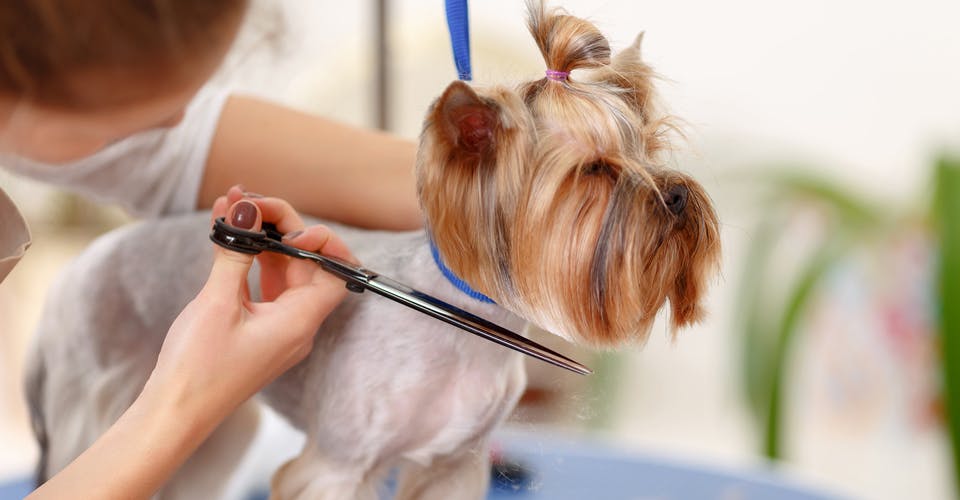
(676, 199)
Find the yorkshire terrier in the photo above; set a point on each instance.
(550, 198)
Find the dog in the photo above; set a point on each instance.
(550, 198)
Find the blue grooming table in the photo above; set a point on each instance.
(557, 468)
(565, 469)
(15, 490)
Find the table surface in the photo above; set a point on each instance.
(563, 469)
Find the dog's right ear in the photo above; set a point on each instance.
(467, 121)
(629, 72)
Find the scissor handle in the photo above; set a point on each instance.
(236, 239)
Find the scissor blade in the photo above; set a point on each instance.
(469, 322)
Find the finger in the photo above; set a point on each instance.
(229, 272)
(273, 275)
(319, 239)
(299, 311)
(219, 209)
(274, 267)
(235, 193)
(280, 213)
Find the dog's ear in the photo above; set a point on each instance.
(629, 55)
(628, 71)
(468, 121)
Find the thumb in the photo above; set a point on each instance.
(229, 273)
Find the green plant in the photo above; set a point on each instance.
(947, 222)
(770, 320)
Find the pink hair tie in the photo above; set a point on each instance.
(557, 76)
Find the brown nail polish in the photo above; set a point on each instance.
(244, 215)
(293, 234)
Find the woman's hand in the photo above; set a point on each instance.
(220, 351)
(223, 347)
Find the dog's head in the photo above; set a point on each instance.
(552, 198)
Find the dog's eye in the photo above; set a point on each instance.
(598, 168)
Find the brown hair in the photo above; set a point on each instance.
(46, 44)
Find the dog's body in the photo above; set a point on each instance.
(546, 197)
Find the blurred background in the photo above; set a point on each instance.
(827, 133)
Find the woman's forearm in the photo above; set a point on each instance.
(138, 454)
(326, 169)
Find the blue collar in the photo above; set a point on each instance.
(453, 279)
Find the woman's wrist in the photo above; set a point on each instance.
(169, 406)
(142, 449)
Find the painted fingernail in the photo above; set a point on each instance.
(293, 234)
(251, 194)
(244, 215)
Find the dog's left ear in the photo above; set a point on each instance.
(469, 122)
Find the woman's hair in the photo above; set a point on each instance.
(46, 44)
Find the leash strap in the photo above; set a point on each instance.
(458, 21)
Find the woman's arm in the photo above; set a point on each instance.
(323, 168)
(138, 453)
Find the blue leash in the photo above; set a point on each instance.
(458, 21)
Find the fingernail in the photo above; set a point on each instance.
(293, 234)
(244, 215)
(250, 194)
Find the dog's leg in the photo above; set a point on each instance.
(313, 476)
(464, 475)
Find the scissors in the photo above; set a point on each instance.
(359, 279)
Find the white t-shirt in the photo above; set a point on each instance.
(153, 173)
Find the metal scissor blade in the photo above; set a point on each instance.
(474, 324)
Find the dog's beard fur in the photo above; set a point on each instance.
(551, 198)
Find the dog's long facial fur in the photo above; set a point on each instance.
(552, 199)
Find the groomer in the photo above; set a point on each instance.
(109, 99)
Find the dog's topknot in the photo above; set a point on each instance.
(566, 42)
